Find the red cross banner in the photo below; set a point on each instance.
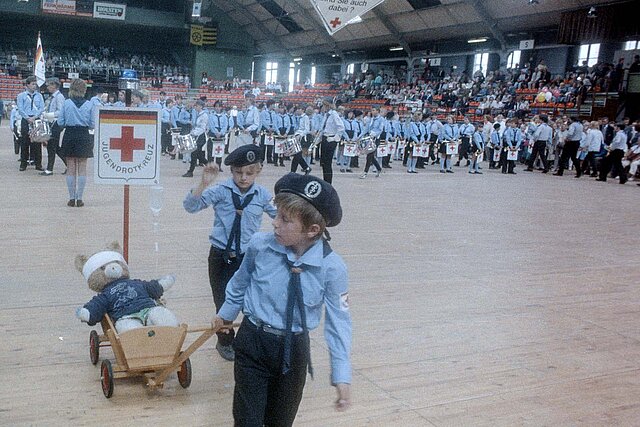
(127, 146)
(336, 14)
(218, 149)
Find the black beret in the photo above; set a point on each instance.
(244, 155)
(316, 191)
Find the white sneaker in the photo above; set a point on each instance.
(363, 176)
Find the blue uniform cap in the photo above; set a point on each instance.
(244, 155)
(316, 191)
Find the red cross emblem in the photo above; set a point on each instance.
(349, 148)
(335, 22)
(218, 149)
(126, 144)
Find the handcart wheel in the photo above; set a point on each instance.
(94, 347)
(106, 378)
(184, 374)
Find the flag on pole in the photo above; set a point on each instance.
(39, 63)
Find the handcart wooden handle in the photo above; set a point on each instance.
(207, 332)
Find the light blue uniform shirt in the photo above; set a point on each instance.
(55, 103)
(259, 289)
(543, 133)
(478, 140)
(281, 124)
(574, 133)
(377, 126)
(436, 128)
(332, 124)
(71, 115)
(218, 123)
(512, 137)
(251, 119)
(166, 116)
(219, 197)
(184, 116)
(415, 133)
(619, 141)
(449, 132)
(467, 130)
(316, 122)
(14, 117)
(30, 104)
(267, 119)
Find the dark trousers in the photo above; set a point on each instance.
(613, 162)
(198, 154)
(326, 158)
(386, 161)
(371, 159)
(267, 150)
(165, 138)
(589, 163)
(53, 147)
(262, 394)
(298, 160)
(29, 149)
(507, 165)
(539, 148)
(407, 153)
(570, 151)
(220, 272)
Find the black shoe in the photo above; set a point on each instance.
(22, 168)
(558, 174)
(39, 168)
(226, 351)
(449, 171)
(594, 175)
(601, 179)
(349, 171)
(577, 176)
(545, 170)
(457, 163)
(480, 173)
(71, 203)
(79, 203)
(442, 171)
(307, 171)
(45, 173)
(188, 175)
(528, 170)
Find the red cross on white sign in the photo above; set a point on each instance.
(127, 144)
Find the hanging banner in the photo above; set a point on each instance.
(60, 7)
(196, 35)
(109, 11)
(336, 14)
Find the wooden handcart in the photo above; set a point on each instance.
(153, 352)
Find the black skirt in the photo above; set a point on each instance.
(77, 142)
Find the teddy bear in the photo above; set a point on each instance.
(130, 303)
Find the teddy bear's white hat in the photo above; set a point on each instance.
(98, 260)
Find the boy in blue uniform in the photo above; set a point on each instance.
(238, 204)
(281, 286)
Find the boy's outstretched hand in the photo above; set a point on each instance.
(217, 323)
(344, 397)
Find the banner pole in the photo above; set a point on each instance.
(125, 225)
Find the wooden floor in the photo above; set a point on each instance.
(477, 300)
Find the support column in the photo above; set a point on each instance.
(410, 63)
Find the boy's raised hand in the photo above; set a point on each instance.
(209, 174)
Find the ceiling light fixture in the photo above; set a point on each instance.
(393, 49)
(478, 40)
(297, 59)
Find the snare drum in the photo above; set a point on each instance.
(186, 144)
(39, 131)
(366, 145)
(292, 146)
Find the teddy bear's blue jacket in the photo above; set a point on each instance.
(123, 297)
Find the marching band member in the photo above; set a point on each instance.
(512, 139)
(377, 132)
(267, 121)
(30, 106)
(53, 111)
(76, 118)
(616, 151)
(389, 135)
(281, 125)
(466, 134)
(332, 128)
(165, 135)
(349, 135)
(477, 147)
(542, 136)
(303, 132)
(199, 133)
(449, 133)
(250, 118)
(571, 146)
(14, 124)
(218, 127)
(424, 131)
(316, 127)
(398, 133)
(414, 137)
(434, 134)
(595, 139)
